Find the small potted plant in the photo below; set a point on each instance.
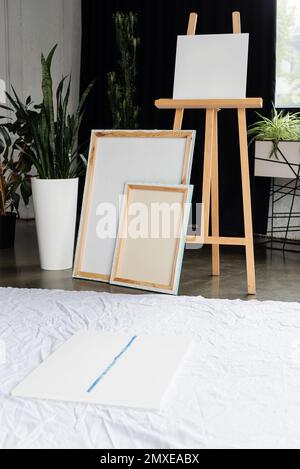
(54, 152)
(277, 145)
(13, 179)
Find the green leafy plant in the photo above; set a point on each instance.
(122, 84)
(14, 167)
(52, 133)
(280, 127)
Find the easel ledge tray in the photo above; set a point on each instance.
(246, 103)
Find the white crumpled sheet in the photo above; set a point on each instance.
(239, 386)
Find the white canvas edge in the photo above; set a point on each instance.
(85, 193)
(182, 244)
(104, 405)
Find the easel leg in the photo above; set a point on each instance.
(178, 119)
(207, 171)
(215, 200)
(247, 201)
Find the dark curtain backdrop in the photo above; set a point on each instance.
(160, 21)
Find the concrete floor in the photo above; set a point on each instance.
(278, 274)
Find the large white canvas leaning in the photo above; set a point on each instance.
(121, 370)
(117, 157)
(211, 67)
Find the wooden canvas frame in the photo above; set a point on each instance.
(91, 180)
(175, 268)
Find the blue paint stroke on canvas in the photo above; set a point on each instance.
(112, 364)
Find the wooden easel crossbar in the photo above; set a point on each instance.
(210, 189)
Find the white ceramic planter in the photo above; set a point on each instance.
(55, 207)
(271, 167)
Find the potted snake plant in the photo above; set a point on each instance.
(56, 157)
(277, 145)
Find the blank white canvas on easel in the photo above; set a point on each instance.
(211, 67)
(111, 369)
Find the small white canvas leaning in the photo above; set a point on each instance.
(94, 367)
(211, 67)
(152, 237)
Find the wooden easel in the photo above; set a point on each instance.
(210, 195)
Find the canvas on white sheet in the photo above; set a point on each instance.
(211, 67)
(93, 367)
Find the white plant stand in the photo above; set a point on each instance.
(283, 164)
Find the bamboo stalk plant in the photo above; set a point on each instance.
(122, 83)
